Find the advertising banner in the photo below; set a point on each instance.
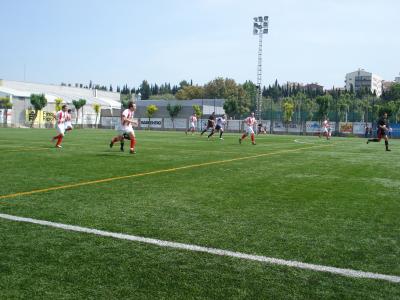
(43, 117)
(294, 127)
(278, 127)
(346, 127)
(395, 130)
(359, 127)
(312, 127)
(152, 123)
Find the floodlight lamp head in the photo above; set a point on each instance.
(265, 18)
(260, 19)
(255, 19)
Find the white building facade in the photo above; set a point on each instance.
(362, 79)
(20, 92)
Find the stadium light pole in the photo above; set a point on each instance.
(260, 27)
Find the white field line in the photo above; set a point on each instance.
(214, 251)
(304, 142)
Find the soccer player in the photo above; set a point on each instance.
(60, 126)
(192, 124)
(210, 123)
(126, 128)
(219, 127)
(68, 122)
(249, 123)
(383, 126)
(326, 129)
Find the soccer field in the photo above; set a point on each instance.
(331, 205)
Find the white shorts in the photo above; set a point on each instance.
(127, 130)
(60, 128)
(192, 125)
(249, 130)
(68, 125)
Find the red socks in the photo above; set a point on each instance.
(243, 136)
(60, 137)
(252, 138)
(133, 142)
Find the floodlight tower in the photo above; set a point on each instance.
(260, 27)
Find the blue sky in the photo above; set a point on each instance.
(121, 41)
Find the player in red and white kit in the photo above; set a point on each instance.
(68, 121)
(249, 128)
(60, 126)
(192, 124)
(126, 128)
(326, 129)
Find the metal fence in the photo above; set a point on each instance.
(274, 127)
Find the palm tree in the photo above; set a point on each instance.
(150, 111)
(38, 102)
(288, 110)
(96, 108)
(173, 112)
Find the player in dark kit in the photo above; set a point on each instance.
(383, 127)
(219, 127)
(210, 123)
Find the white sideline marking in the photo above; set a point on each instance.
(303, 142)
(220, 252)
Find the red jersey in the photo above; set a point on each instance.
(128, 114)
(68, 117)
(250, 121)
(193, 119)
(60, 117)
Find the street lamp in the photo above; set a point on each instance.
(260, 27)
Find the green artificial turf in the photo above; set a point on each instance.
(334, 203)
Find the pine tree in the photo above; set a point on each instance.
(145, 90)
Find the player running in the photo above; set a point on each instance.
(192, 124)
(383, 126)
(68, 121)
(60, 126)
(221, 121)
(249, 124)
(326, 129)
(210, 123)
(126, 129)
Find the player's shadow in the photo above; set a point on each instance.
(113, 154)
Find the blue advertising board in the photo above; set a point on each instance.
(395, 130)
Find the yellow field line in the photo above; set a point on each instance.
(152, 172)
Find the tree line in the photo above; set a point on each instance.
(288, 102)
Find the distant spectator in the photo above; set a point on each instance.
(261, 129)
(366, 130)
